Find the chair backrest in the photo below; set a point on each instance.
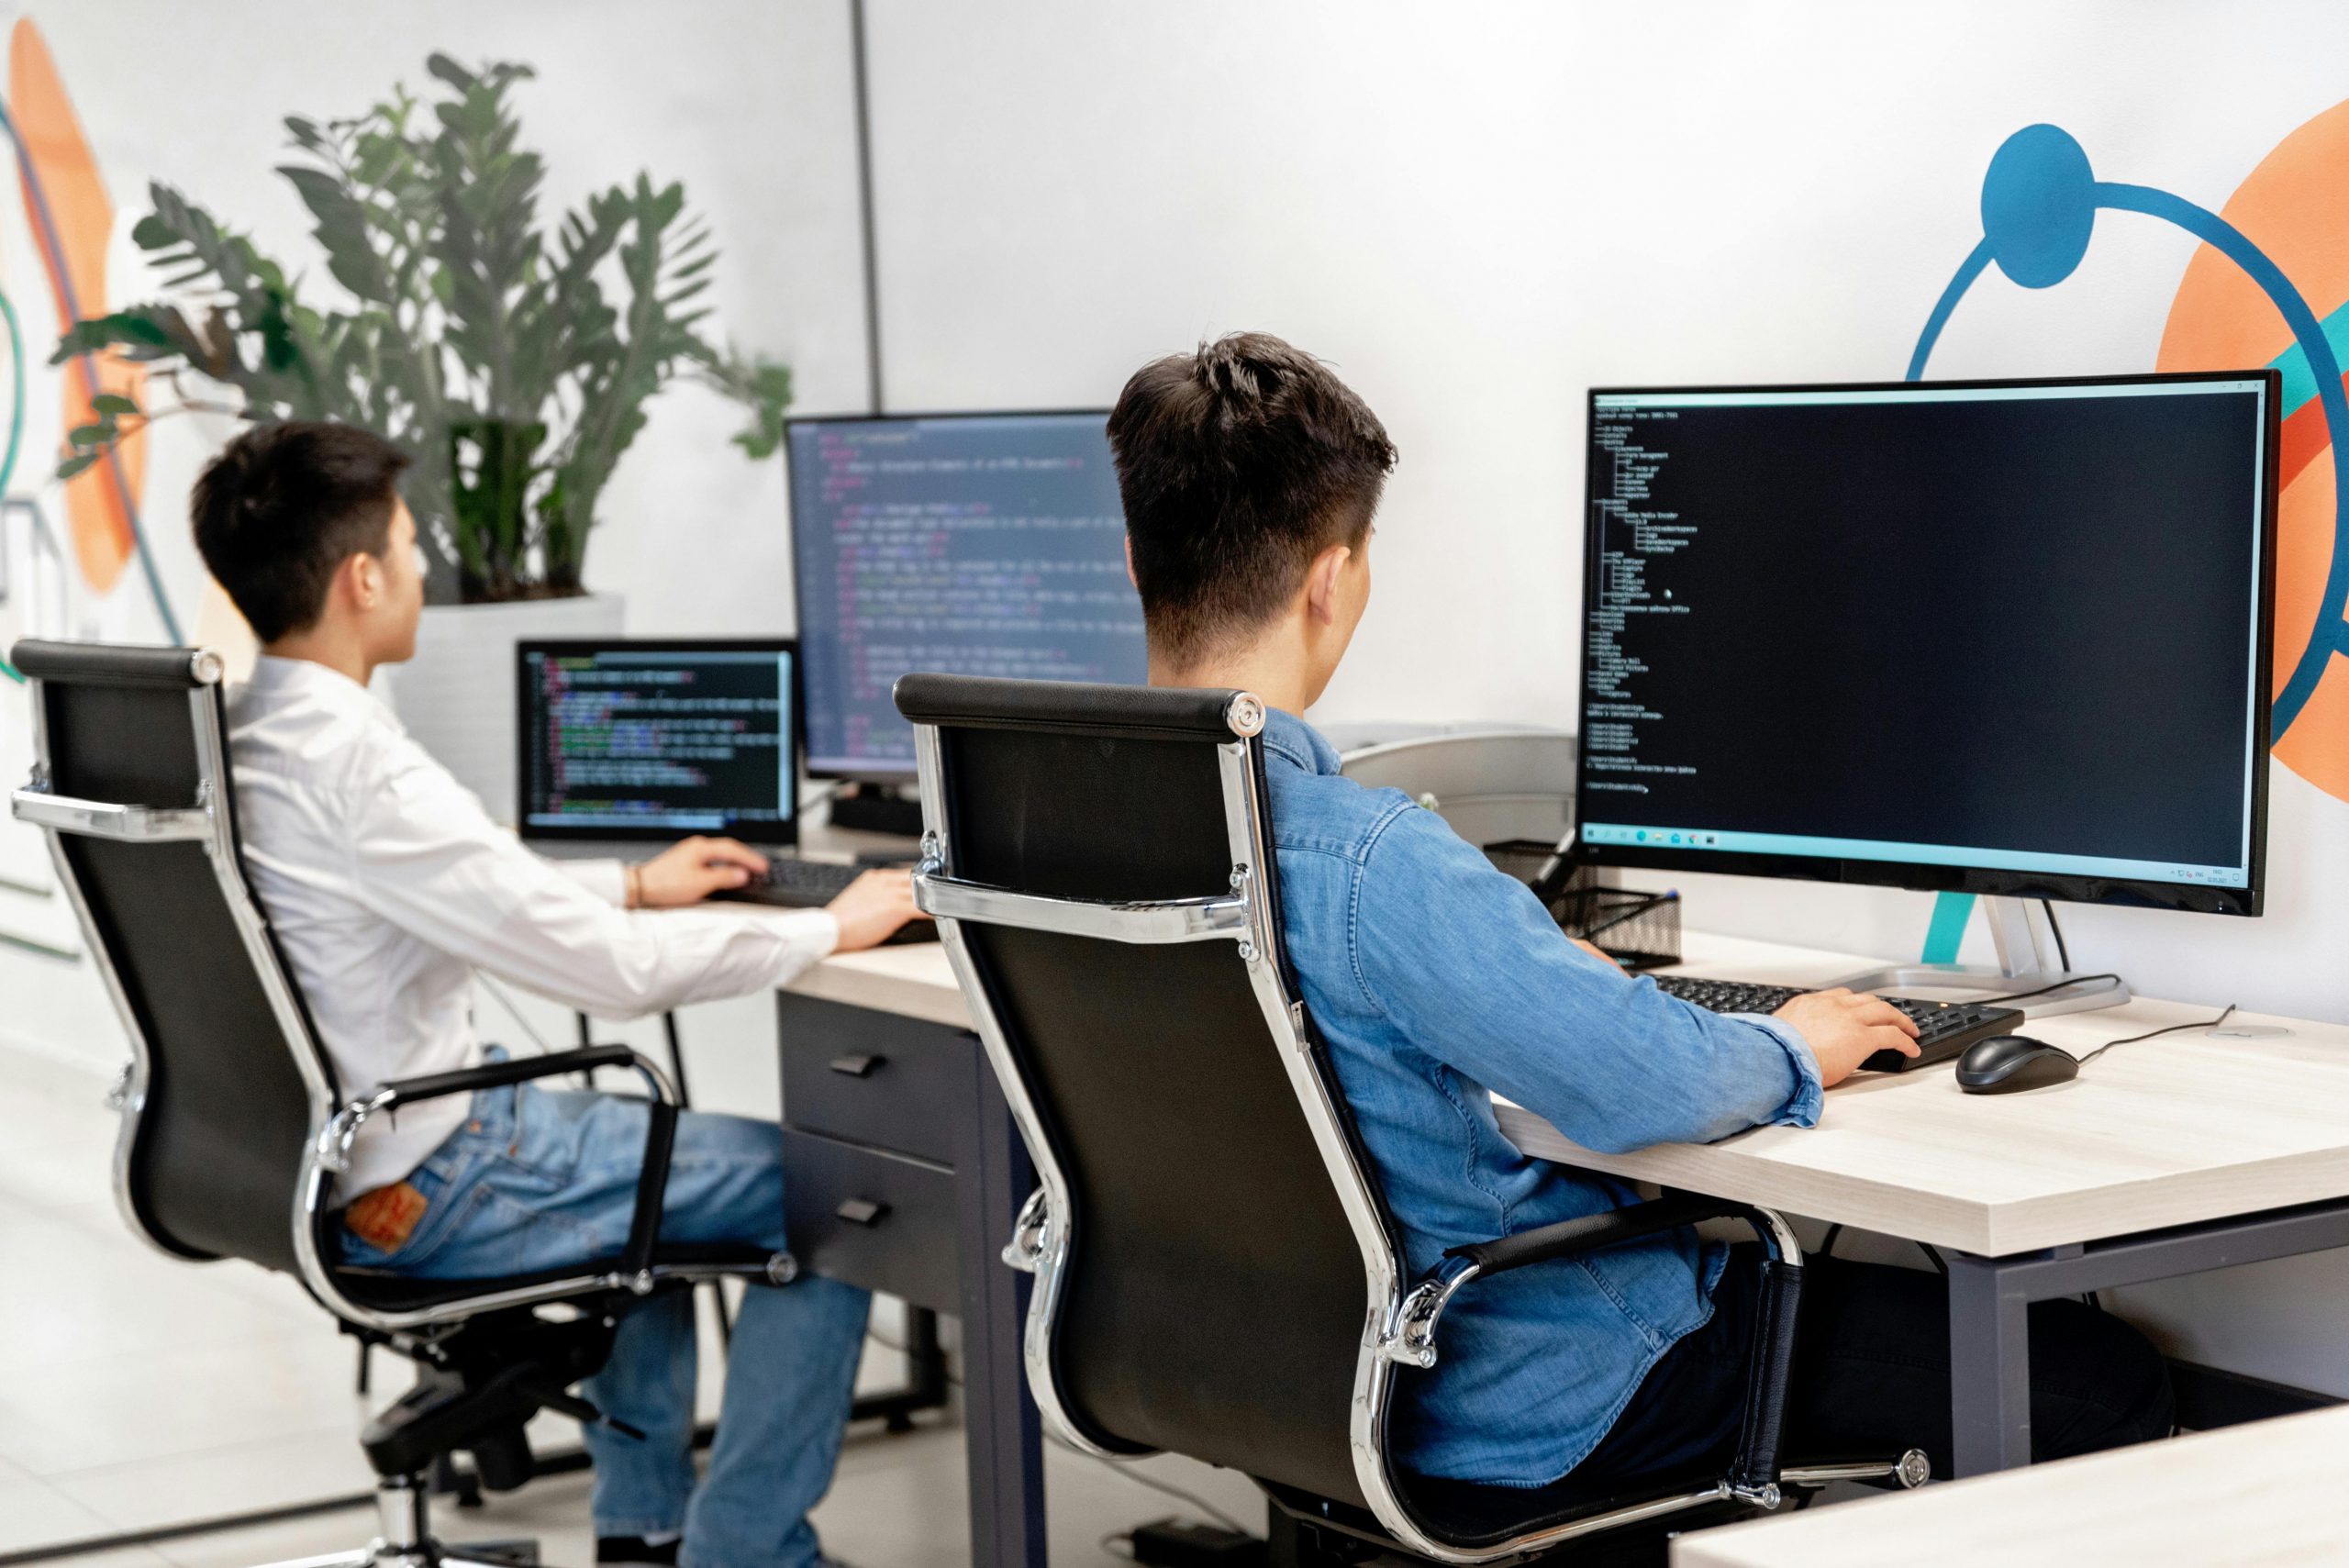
(132, 786)
(1214, 1256)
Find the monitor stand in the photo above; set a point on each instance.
(877, 808)
(2023, 965)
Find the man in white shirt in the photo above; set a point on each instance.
(389, 886)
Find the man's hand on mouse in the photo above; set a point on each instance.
(1845, 1027)
(691, 870)
(871, 908)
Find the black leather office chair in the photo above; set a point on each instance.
(233, 1125)
(1217, 1273)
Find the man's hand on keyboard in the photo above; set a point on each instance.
(692, 869)
(872, 908)
(1845, 1027)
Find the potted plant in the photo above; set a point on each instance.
(513, 361)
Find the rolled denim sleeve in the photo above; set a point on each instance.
(1466, 962)
(1810, 1098)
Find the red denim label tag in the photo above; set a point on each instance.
(386, 1217)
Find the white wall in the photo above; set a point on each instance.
(1476, 212)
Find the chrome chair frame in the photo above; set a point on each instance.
(1400, 1318)
(334, 1125)
(404, 1538)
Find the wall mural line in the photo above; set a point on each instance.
(71, 218)
(2282, 237)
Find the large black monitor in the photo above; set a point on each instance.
(2006, 638)
(658, 739)
(976, 544)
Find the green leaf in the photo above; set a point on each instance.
(134, 327)
(85, 435)
(112, 402)
(449, 70)
(151, 233)
(73, 465)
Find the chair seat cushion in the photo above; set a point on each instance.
(379, 1290)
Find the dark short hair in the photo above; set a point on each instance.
(286, 504)
(1238, 464)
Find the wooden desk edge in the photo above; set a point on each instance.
(1986, 1228)
(1862, 1202)
(2066, 1503)
(913, 980)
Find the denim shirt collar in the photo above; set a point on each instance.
(1296, 742)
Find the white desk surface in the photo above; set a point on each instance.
(2261, 1496)
(913, 980)
(2163, 1132)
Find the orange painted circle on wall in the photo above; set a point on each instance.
(72, 220)
(2294, 207)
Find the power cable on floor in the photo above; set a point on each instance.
(1194, 1499)
(887, 1343)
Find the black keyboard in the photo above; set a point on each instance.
(1943, 1028)
(794, 883)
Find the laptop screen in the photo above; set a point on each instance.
(658, 739)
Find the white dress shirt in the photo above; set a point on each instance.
(388, 886)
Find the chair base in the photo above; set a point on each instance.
(1315, 1532)
(433, 1555)
(404, 1537)
(1295, 1544)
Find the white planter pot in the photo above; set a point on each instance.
(456, 697)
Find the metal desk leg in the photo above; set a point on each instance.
(992, 1179)
(1990, 1367)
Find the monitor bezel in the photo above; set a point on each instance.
(781, 834)
(799, 579)
(2247, 900)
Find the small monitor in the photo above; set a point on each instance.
(2006, 638)
(654, 740)
(973, 544)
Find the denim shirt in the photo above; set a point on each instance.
(1437, 979)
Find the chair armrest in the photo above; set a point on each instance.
(1755, 1475)
(1591, 1232)
(333, 1149)
(498, 1074)
(1411, 1341)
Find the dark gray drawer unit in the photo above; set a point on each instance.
(879, 1220)
(874, 1078)
(902, 1173)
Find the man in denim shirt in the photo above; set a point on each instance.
(1250, 476)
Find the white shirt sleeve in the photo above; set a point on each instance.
(607, 880)
(428, 859)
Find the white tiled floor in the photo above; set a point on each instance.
(137, 1391)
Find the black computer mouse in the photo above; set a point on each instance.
(2007, 1063)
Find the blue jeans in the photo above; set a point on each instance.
(540, 1178)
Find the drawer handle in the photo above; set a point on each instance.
(857, 1066)
(861, 1211)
